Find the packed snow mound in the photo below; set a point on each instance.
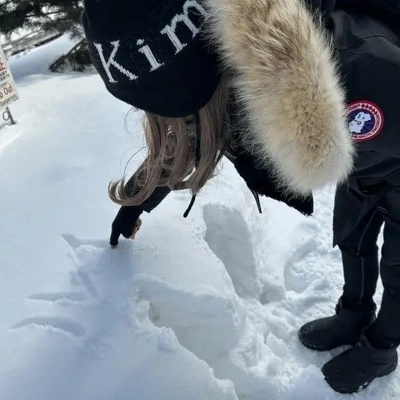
(201, 308)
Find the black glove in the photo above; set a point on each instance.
(124, 223)
(262, 182)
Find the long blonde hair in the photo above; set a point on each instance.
(183, 153)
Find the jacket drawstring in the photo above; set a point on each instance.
(187, 212)
(196, 162)
(258, 202)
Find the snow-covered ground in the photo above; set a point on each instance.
(201, 309)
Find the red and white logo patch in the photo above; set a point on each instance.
(365, 120)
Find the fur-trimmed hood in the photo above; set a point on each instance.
(287, 81)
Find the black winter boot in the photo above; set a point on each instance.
(353, 370)
(344, 328)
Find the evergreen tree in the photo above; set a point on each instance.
(58, 16)
(47, 15)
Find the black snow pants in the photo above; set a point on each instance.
(361, 260)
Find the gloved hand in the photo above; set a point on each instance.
(126, 223)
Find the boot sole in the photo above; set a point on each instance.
(355, 389)
(320, 348)
(315, 347)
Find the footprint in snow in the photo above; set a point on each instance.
(298, 268)
(228, 237)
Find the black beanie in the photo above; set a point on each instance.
(151, 54)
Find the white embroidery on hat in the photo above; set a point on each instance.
(169, 30)
(111, 62)
(184, 17)
(149, 55)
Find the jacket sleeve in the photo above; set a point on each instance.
(156, 198)
(260, 179)
(128, 216)
(159, 194)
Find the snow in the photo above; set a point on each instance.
(17, 35)
(201, 308)
(33, 62)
